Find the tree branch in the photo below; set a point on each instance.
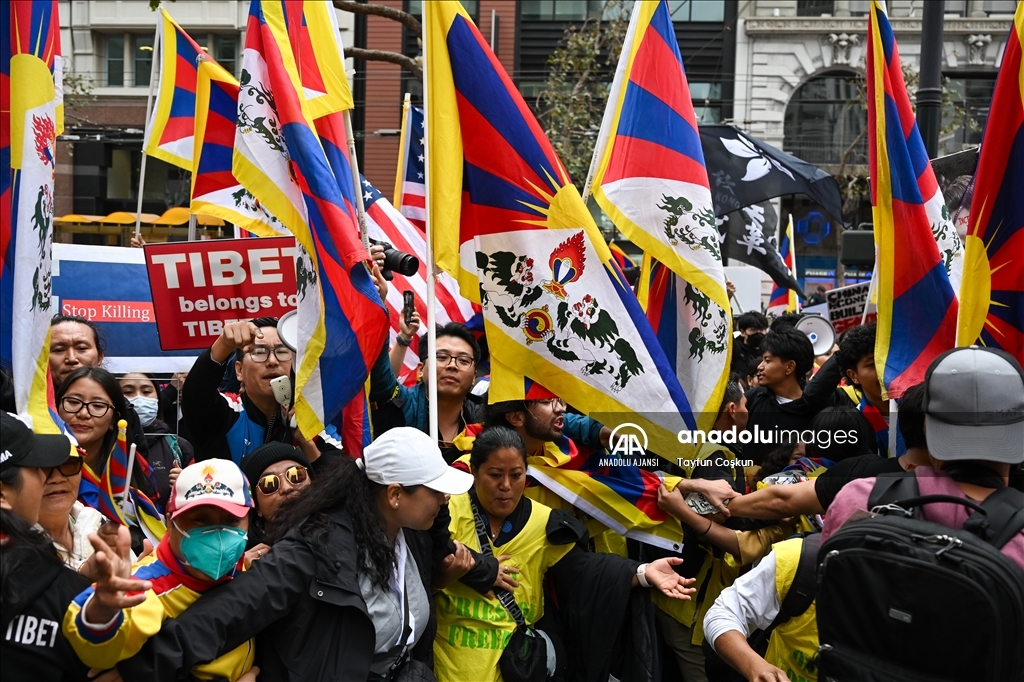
(407, 63)
(369, 8)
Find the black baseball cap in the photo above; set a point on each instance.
(22, 448)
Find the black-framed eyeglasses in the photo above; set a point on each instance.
(261, 354)
(461, 361)
(70, 468)
(271, 483)
(96, 408)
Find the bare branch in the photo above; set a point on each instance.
(369, 8)
(407, 63)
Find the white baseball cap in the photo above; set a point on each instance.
(212, 482)
(408, 456)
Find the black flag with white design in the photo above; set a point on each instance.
(748, 235)
(743, 170)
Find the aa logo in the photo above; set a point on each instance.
(628, 440)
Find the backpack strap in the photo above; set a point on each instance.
(890, 488)
(1003, 517)
(805, 584)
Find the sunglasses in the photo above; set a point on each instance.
(271, 483)
(72, 467)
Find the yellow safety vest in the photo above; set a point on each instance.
(472, 630)
(716, 572)
(794, 644)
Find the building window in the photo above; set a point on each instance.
(824, 117)
(707, 103)
(697, 10)
(225, 52)
(415, 8)
(958, 7)
(115, 61)
(1007, 7)
(143, 59)
(814, 8)
(963, 123)
(561, 10)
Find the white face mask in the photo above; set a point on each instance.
(146, 408)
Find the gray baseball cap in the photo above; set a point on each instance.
(974, 406)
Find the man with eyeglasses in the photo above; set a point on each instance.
(457, 356)
(223, 423)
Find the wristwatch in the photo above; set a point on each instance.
(641, 575)
(402, 341)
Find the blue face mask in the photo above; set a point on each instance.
(146, 408)
(212, 550)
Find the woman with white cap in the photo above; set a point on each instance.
(346, 592)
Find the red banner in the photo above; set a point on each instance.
(198, 287)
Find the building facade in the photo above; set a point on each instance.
(108, 47)
(799, 84)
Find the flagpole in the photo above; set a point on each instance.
(431, 274)
(871, 291)
(153, 70)
(354, 165)
(396, 199)
(606, 122)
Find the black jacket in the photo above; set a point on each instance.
(161, 457)
(33, 648)
(210, 417)
(768, 415)
(303, 604)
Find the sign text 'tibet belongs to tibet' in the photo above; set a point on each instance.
(198, 287)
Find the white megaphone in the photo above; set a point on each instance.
(819, 332)
(288, 329)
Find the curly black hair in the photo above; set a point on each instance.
(341, 485)
(856, 343)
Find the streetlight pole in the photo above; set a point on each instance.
(929, 92)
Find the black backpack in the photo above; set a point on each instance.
(904, 599)
(797, 600)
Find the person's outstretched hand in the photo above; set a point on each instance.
(660, 575)
(115, 588)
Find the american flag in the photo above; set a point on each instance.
(385, 223)
(410, 190)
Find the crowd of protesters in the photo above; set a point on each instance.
(286, 559)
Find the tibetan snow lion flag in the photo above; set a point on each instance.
(215, 190)
(169, 136)
(917, 305)
(31, 117)
(649, 176)
(298, 170)
(992, 293)
(511, 227)
(783, 299)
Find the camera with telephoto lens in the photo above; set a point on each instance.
(396, 261)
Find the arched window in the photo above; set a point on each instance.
(825, 116)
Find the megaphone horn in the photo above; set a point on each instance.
(288, 329)
(819, 332)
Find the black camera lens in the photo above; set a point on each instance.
(401, 262)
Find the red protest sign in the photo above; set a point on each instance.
(198, 287)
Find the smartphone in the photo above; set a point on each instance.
(408, 306)
(282, 388)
